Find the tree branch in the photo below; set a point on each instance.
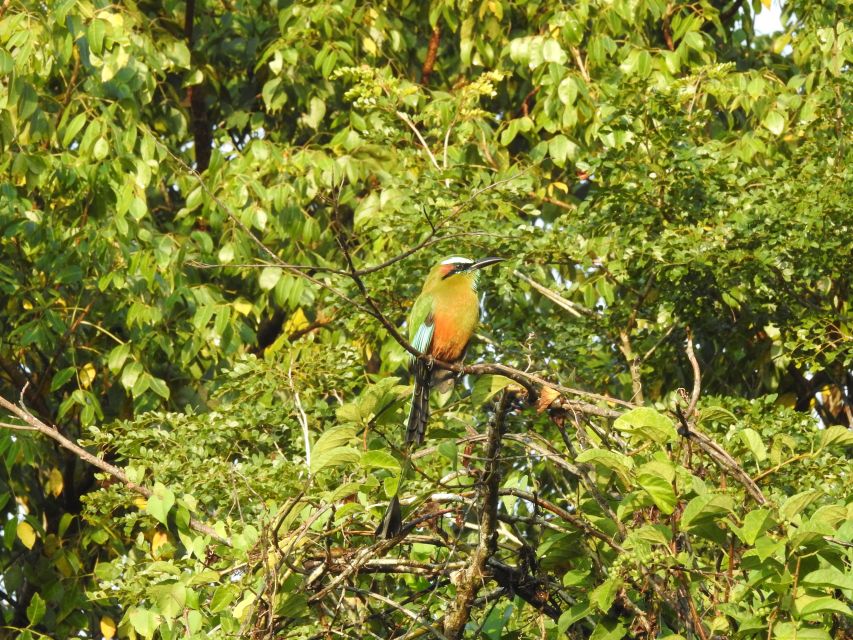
(34, 424)
(432, 52)
(472, 577)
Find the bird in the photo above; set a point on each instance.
(441, 324)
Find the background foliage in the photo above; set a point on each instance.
(180, 184)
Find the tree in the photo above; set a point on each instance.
(215, 215)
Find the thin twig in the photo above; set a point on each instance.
(302, 418)
(409, 614)
(697, 376)
(423, 142)
(575, 309)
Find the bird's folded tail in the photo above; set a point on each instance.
(392, 521)
(419, 412)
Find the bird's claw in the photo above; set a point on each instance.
(430, 362)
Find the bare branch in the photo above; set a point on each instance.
(576, 54)
(572, 519)
(697, 376)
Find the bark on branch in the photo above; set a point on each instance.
(473, 576)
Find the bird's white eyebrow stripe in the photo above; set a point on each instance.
(457, 260)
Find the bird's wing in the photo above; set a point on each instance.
(421, 324)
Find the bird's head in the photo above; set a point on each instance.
(456, 266)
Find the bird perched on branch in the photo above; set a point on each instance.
(441, 324)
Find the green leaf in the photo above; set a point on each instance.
(605, 593)
(617, 462)
(376, 459)
(317, 109)
(130, 375)
(774, 122)
(36, 609)
(796, 503)
(293, 605)
(223, 596)
(95, 33)
(567, 91)
(660, 490)
(333, 458)
(486, 387)
(144, 621)
(333, 438)
(755, 444)
(449, 450)
(73, 128)
(116, 359)
(269, 278)
(161, 502)
(702, 509)
(823, 605)
(836, 435)
(560, 149)
(644, 423)
(829, 577)
(169, 599)
(553, 52)
(62, 377)
(793, 631)
(608, 630)
(391, 486)
(101, 149)
(754, 524)
(717, 414)
(159, 387)
(579, 610)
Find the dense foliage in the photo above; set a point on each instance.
(208, 209)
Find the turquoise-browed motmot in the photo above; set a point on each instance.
(441, 324)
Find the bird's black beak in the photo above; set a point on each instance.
(485, 262)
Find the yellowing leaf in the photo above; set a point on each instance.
(140, 503)
(242, 307)
(369, 46)
(55, 482)
(296, 322)
(546, 397)
(766, 3)
(87, 375)
(108, 627)
(26, 534)
(158, 540)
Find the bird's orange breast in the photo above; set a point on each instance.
(455, 314)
